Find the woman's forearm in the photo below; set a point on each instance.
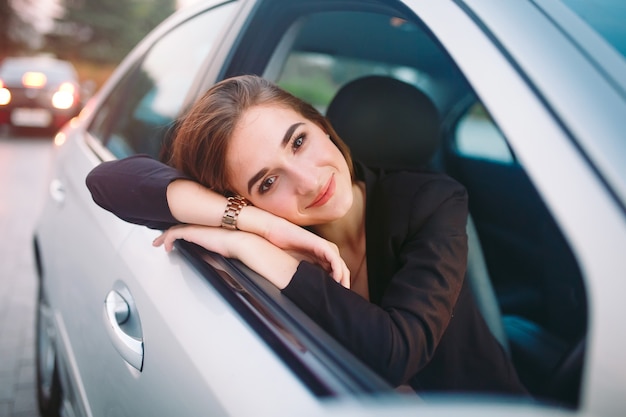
(134, 189)
(192, 203)
(144, 191)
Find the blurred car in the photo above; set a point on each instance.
(38, 92)
(532, 103)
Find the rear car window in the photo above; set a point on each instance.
(13, 69)
(138, 114)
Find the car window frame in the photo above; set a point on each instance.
(243, 58)
(596, 127)
(240, 66)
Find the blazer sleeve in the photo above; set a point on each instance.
(135, 190)
(399, 337)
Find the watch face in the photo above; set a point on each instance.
(229, 222)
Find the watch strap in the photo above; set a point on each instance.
(233, 208)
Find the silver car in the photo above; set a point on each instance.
(531, 96)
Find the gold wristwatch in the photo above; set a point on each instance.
(233, 208)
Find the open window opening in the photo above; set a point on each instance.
(536, 280)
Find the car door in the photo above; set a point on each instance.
(121, 363)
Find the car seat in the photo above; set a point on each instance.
(392, 125)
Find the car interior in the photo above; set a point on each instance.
(400, 102)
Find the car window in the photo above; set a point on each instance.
(138, 113)
(477, 136)
(316, 76)
(12, 70)
(533, 270)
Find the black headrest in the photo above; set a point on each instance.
(386, 123)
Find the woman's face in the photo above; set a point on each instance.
(287, 165)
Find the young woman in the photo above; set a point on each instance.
(376, 259)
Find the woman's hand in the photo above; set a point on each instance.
(276, 264)
(258, 254)
(214, 239)
(305, 245)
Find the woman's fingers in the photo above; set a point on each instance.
(200, 235)
(159, 240)
(167, 239)
(291, 237)
(339, 270)
(324, 253)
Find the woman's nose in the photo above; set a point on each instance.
(305, 181)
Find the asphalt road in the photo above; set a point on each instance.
(24, 162)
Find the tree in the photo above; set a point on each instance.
(105, 30)
(14, 31)
(6, 11)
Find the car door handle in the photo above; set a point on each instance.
(57, 190)
(117, 313)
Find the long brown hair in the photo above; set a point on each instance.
(200, 145)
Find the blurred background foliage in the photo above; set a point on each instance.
(93, 34)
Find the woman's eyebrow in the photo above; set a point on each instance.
(288, 134)
(256, 178)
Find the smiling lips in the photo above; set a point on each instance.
(327, 192)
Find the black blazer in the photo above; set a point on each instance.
(421, 325)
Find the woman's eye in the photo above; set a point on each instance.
(267, 184)
(297, 142)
